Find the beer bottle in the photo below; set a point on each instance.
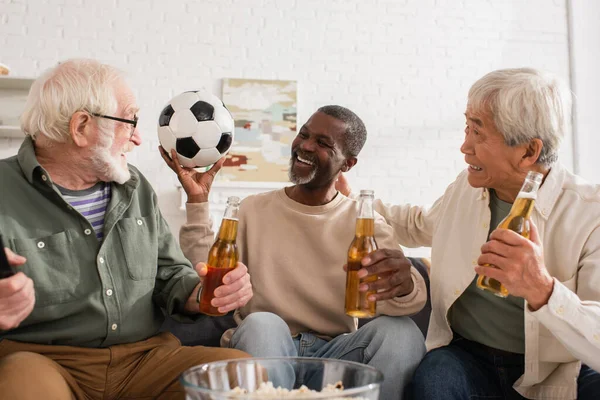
(222, 257)
(517, 220)
(357, 303)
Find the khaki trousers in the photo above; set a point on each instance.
(143, 370)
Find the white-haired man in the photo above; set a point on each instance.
(533, 343)
(99, 265)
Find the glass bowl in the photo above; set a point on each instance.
(217, 380)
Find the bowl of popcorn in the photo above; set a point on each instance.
(282, 378)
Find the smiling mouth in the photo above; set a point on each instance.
(473, 167)
(304, 161)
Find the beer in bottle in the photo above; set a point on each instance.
(357, 303)
(222, 257)
(517, 220)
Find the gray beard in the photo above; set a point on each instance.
(298, 180)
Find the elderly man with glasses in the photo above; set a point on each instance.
(97, 265)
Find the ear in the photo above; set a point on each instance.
(532, 151)
(349, 163)
(80, 128)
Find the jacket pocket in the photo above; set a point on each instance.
(140, 246)
(57, 275)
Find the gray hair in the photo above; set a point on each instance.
(356, 132)
(74, 85)
(525, 104)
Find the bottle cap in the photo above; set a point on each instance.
(535, 176)
(367, 192)
(233, 200)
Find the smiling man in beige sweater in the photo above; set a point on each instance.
(294, 242)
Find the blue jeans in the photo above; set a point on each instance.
(469, 370)
(393, 345)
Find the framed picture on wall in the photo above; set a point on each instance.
(265, 125)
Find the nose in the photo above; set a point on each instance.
(466, 147)
(307, 146)
(136, 137)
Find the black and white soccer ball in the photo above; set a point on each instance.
(198, 126)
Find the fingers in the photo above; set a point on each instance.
(508, 237)
(236, 290)
(233, 287)
(24, 313)
(216, 167)
(386, 283)
(15, 305)
(534, 234)
(492, 259)
(491, 272)
(17, 315)
(166, 158)
(342, 185)
(394, 292)
(233, 301)
(239, 272)
(14, 284)
(21, 300)
(201, 269)
(175, 162)
(381, 254)
(14, 259)
(499, 248)
(384, 261)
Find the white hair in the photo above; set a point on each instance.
(74, 85)
(525, 104)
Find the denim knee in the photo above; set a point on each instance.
(385, 329)
(440, 374)
(263, 334)
(261, 323)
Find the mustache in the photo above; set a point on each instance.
(130, 146)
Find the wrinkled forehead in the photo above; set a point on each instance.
(326, 125)
(479, 110)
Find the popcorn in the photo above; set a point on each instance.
(266, 390)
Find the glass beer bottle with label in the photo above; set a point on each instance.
(222, 257)
(357, 303)
(517, 221)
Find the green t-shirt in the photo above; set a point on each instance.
(483, 317)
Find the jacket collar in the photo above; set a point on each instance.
(550, 190)
(27, 160)
(547, 194)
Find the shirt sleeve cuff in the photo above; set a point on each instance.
(409, 304)
(418, 286)
(562, 302)
(197, 212)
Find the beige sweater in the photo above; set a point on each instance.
(295, 255)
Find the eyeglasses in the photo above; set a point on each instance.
(133, 121)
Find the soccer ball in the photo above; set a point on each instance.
(198, 126)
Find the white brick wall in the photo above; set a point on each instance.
(403, 65)
(585, 64)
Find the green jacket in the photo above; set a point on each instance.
(90, 293)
